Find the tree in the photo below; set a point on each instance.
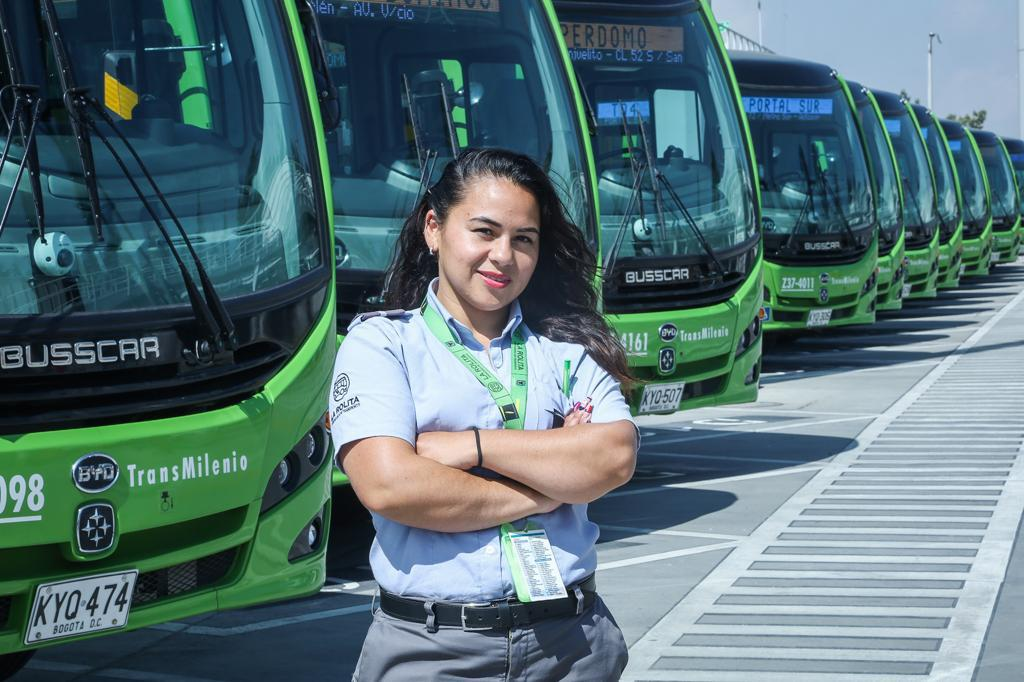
(906, 95)
(975, 119)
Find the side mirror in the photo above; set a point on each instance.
(326, 92)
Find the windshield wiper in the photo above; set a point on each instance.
(26, 99)
(425, 157)
(227, 339)
(210, 312)
(635, 196)
(75, 102)
(658, 181)
(808, 202)
(913, 200)
(658, 177)
(17, 115)
(832, 194)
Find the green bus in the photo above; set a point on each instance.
(977, 200)
(889, 191)
(1016, 149)
(817, 192)
(948, 198)
(418, 81)
(920, 209)
(1002, 181)
(167, 307)
(679, 223)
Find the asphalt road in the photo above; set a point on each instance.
(858, 522)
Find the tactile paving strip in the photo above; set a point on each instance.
(887, 564)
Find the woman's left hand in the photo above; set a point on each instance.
(454, 449)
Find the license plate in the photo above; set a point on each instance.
(661, 397)
(74, 607)
(907, 288)
(963, 269)
(819, 318)
(994, 257)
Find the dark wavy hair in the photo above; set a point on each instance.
(560, 301)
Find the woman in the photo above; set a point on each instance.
(444, 412)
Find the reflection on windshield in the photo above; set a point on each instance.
(1000, 181)
(813, 171)
(212, 113)
(919, 208)
(662, 80)
(415, 82)
(945, 182)
(972, 185)
(890, 218)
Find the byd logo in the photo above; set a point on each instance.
(95, 473)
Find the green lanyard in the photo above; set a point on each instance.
(512, 406)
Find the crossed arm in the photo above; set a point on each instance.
(429, 486)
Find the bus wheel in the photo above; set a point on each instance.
(12, 663)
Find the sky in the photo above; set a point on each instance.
(884, 44)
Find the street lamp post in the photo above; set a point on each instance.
(932, 37)
(760, 24)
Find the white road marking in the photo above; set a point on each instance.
(723, 458)
(673, 533)
(662, 556)
(716, 481)
(768, 429)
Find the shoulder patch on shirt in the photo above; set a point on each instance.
(363, 317)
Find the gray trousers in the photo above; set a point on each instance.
(588, 647)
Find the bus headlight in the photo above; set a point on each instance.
(870, 283)
(297, 466)
(749, 336)
(310, 538)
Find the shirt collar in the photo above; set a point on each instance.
(515, 318)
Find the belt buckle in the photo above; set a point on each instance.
(470, 628)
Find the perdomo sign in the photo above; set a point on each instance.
(587, 35)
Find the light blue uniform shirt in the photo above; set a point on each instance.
(392, 377)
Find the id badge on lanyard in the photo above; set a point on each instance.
(534, 571)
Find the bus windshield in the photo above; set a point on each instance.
(661, 99)
(945, 181)
(1016, 150)
(203, 91)
(972, 185)
(419, 81)
(890, 219)
(814, 174)
(1000, 181)
(919, 208)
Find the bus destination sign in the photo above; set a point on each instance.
(597, 42)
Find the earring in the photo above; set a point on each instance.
(431, 250)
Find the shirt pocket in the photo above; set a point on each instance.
(547, 404)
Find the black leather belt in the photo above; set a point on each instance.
(504, 614)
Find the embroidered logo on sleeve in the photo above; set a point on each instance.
(341, 387)
(343, 405)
